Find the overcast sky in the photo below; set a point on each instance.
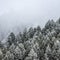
(35, 12)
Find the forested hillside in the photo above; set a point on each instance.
(33, 43)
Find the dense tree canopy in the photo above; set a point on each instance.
(33, 43)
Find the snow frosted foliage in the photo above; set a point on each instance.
(33, 43)
(9, 56)
(1, 54)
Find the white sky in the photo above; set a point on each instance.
(36, 12)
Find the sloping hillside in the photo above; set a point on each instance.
(33, 43)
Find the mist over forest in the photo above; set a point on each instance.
(29, 29)
(15, 14)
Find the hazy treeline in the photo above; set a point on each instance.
(33, 43)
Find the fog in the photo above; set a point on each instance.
(21, 13)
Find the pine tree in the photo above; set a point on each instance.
(11, 38)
